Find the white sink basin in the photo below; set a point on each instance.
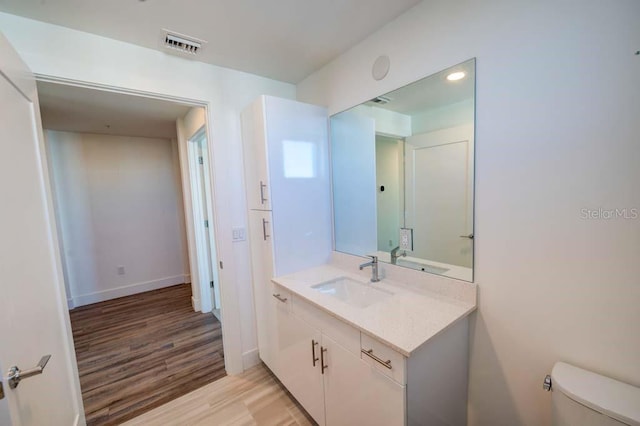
(352, 292)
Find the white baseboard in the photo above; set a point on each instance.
(187, 278)
(128, 290)
(70, 304)
(195, 303)
(250, 358)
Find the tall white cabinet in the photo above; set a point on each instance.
(285, 145)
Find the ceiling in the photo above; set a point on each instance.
(282, 39)
(432, 92)
(77, 109)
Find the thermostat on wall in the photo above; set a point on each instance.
(406, 239)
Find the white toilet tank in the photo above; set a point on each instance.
(583, 398)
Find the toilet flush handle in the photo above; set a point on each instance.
(546, 385)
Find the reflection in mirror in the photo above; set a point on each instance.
(403, 175)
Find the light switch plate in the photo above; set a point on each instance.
(406, 239)
(239, 234)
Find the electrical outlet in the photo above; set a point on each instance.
(406, 239)
(120, 270)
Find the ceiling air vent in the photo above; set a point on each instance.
(181, 43)
(381, 100)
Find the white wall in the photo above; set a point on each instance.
(557, 131)
(440, 118)
(389, 173)
(118, 204)
(102, 61)
(389, 123)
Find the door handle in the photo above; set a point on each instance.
(470, 236)
(264, 229)
(16, 375)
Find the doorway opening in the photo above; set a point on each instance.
(136, 223)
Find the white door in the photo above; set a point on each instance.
(262, 271)
(203, 219)
(439, 195)
(34, 320)
(299, 368)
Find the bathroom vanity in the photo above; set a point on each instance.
(387, 353)
(352, 351)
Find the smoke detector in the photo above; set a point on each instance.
(181, 44)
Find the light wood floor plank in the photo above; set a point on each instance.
(254, 397)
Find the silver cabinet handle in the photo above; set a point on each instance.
(470, 236)
(370, 354)
(15, 374)
(262, 187)
(313, 352)
(264, 229)
(280, 298)
(322, 366)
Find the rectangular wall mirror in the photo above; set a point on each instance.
(403, 175)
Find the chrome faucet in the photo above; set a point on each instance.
(374, 268)
(395, 255)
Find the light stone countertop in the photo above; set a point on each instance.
(404, 321)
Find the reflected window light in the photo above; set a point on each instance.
(299, 159)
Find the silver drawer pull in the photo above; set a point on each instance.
(370, 354)
(280, 298)
(262, 197)
(264, 229)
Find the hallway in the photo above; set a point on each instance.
(138, 352)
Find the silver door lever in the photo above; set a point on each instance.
(15, 374)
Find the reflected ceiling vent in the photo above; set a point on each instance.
(182, 44)
(381, 100)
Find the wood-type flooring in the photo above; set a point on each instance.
(138, 352)
(253, 398)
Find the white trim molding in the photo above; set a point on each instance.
(250, 358)
(128, 290)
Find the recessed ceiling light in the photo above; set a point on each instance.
(455, 76)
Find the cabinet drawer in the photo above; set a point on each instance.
(341, 332)
(384, 359)
(281, 297)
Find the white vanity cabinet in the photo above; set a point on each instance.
(286, 171)
(343, 376)
(262, 271)
(321, 365)
(355, 393)
(299, 354)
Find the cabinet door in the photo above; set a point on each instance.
(299, 368)
(256, 174)
(356, 394)
(262, 272)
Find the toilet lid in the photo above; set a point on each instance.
(615, 399)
